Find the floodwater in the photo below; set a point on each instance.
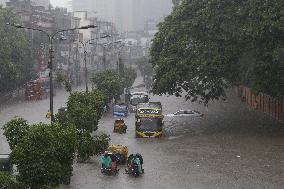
(231, 147)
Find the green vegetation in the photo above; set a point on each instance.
(15, 130)
(112, 83)
(43, 154)
(62, 79)
(85, 109)
(91, 145)
(128, 75)
(16, 63)
(8, 182)
(204, 47)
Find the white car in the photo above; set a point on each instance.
(186, 113)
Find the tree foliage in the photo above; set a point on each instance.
(7, 182)
(16, 63)
(101, 143)
(62, 79)
(85, 109)
(203, 47)
(110, 83)
(91, 145)
(176, 2)
(15, 130)
(44, 157)
(128, 76)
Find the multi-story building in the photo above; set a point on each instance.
(44, 3)
(128, 15)
(50, 20)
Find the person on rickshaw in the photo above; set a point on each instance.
(135, 159)
(106, 161)
(109, 164)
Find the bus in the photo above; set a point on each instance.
(137, 98)
(149, 120)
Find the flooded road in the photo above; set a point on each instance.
(231, 147)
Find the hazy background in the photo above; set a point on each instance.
(60, 3)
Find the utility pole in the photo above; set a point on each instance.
(51, 50)
(104, 57)
(130, 56)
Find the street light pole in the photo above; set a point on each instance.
(84, 44)
(119, 58)
(50, 63)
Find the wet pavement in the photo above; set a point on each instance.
(231, 147)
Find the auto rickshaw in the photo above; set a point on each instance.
(112, 168)
(121, 152)
(119, 126)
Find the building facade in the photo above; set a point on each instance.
(128, 15)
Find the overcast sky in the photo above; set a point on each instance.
(59, 3)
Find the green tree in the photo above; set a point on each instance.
(16, 63)
(176, 3)
(101, 143)
(15, 130)
(85, 109)
(110, 83)
(44, 157)
(8, 182)
(204, 47)
(62, 79)
(91, 145)
(129, 75)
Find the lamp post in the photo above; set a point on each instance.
(104, 46)
(50, 63)
(119, 58)
(84, 45)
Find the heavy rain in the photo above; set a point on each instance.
(122, 94)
